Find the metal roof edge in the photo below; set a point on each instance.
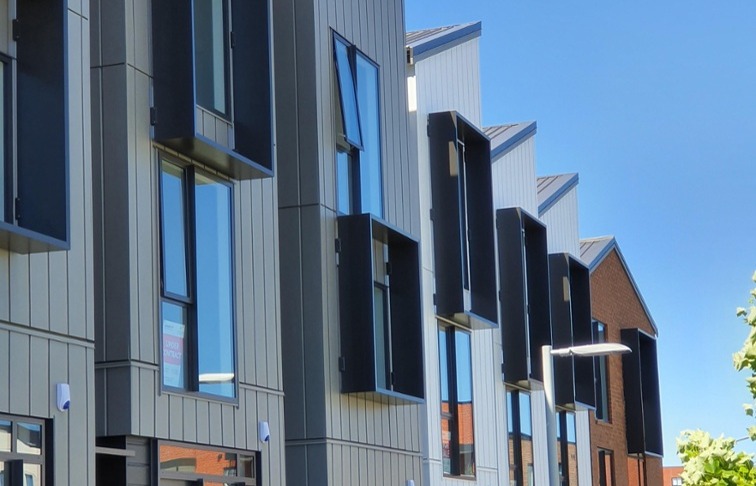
(445, 41)
(613, 245)
(554, 198)
(526, 132)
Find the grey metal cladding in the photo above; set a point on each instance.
(42, 123)
(571, 325)
(640, 377)
(176, 123)
(524, 296)
(445, 128)
(356, 308)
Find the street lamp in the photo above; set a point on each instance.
(547, 361)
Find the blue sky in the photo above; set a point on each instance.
(654, 104)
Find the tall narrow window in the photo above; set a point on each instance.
(520, 434)
(602, 378)
(6, 172)
(606, 467)
(457, 435)
(359, 184)
(464, 230)
(567, 449)
(211, 55)
(382, 315)
(197, 282)
(22, 451)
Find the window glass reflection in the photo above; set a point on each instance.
(465, 404)
(5, 436)
(347, 94)
(211, 62)
(371, 190)
(343, 182)
(29, 438)
(174, 227)
(215, 336)
(3, 158)
(175, 360)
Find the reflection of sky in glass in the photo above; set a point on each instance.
(464, 367)
(214, 300)
(510, 421)
(348, 94)
(29, 440)
(174, 252)
(443, 365)
(571, 427)
(370, 158)
(525, 421)
(210, 54)
(343, 182)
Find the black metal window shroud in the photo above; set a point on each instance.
(379, 309)
(178, 35)
(463, 221)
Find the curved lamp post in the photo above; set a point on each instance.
(547, 361)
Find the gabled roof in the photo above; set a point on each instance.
(425, 43)
(594, 250)
(506, 137)
(552, 188)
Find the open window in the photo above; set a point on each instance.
(212, 83)
(359, 182)
(463, 221)
(34, 187)
(640, 375)
(571, 325)
(379, 304)
(524, 296)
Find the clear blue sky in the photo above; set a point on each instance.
(654, 104)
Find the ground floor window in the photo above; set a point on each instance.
(520, 434)
(606, 467)
(22, 451)
(183, 464)
(567, 449)
(457, 435)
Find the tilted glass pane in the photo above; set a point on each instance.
(174, 229)
(5, 436)
(29, 438)
(347, 93)
(526, 425)
(465, 403)
(210, 54)
(175, 359)
(371, 175)
(215, 324)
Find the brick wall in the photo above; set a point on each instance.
(615, 303)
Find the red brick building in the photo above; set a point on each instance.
(626, 426)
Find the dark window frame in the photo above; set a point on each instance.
(359, 277)
(450, 332)
(227, 59)
(606, 478)
(189, 302)
(465, 264)
(44, 459)
(36, 215)
(199, 478)
(515, 434)
(353, 149)
(603, 410)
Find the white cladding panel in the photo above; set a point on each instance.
(514, 178)
(583, 438)
(449, 81)
(561, 219)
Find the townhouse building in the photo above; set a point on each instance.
(349, 226)
(495, 261)
(626, 429)
(47, 322)
(186, 305)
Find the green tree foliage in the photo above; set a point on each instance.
(711, 461)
